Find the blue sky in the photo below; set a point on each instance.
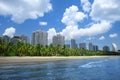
(96, 21)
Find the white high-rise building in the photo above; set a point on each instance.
(24, 39)
(40, 37)
(91, 47)
(73, 43)
(114, 47)
(58, 40)
(82, 46)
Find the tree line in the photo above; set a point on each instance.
(26, 49)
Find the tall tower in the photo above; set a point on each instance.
(95, 48)
(91, 47)
(106, 48)
(25, 39)
(114, 47)
(40, 37)
(82, 46)
(58, 40)
(73, 43)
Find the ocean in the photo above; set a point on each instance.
(107, 68)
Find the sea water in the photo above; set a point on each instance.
(107, 68)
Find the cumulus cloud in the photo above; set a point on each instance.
(10, 32)
(102, 12)
(42, 23)
(21, 10)
(114, 35)
(51, 32)
(102, 38)
(105, 10)
(86, 5)
(72, 15)
(94, 29)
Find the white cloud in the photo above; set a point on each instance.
(102, 12)
(90, 38)
(105, 10)
(86, 5)
(101, 22)
(102, 38)
(114, 35)
(42, 23)
(73, 31)
(94, 29)
(51, 32)
(72, 16)
(70, 32)
(10, 32)
(21, 10)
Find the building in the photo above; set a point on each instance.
(114, 47)
(118, 51)
(82, 46)
(95, 48)
(106, 49)
(58, 40)
(40, 37)
(16, 39)
(91, 47)
(6, 38)
(33, 38)
(25, 39)
(73, 43)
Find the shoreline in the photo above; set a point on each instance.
(28, 59)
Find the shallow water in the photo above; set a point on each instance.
(83, 69)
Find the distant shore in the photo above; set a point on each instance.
(11, 60)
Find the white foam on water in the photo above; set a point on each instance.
(49, 73)
(93, 64)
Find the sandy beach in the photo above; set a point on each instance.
(9, 60)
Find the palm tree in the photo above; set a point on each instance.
(11, 49)
(51, 50)
(38, 49)
(58, 50)
(26, 47)
(3, 47)
(32, 50)
(20, 48)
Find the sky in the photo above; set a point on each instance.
(96, 21)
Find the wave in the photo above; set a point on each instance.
(93, 64)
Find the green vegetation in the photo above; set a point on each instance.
(25, 49)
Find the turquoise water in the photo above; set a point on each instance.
(85, 69)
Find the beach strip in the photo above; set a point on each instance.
(6, 60)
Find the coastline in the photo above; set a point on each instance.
(28, 59)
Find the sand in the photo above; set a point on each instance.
(11, 60)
